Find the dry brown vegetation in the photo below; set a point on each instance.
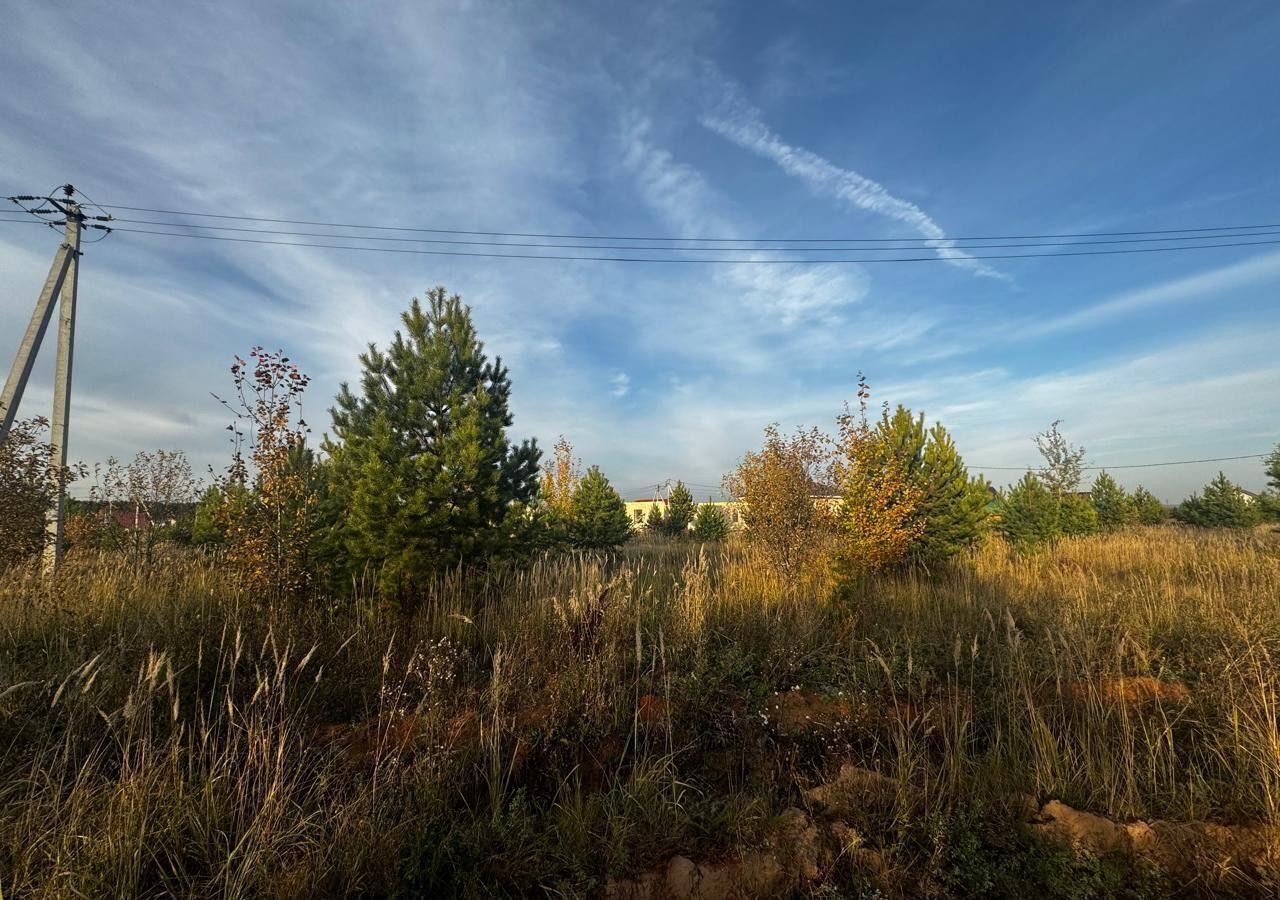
(591, 719)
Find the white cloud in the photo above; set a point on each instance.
(736, 120)
(1213, 395)
(620, 384)
(1201, 286)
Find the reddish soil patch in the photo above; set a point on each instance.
(1135, 690)
(794, 712)
(652, 709)
(797, 712)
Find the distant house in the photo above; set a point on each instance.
(135, 518)
(1248, 496)
(638, 510)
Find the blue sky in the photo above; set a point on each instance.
(681, 119)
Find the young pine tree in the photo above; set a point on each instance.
(1114, 507)
(710, 523)
(1269, 502)
(1222, 506)
(1147, 507)
(952, 505)
(1076, 515)
(599, 516)
(206, 529)
(1029, 514)
(655, 522)
(680, 510)
(421, 466)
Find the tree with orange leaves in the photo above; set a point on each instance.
(775, 487)
(879, 507)
(269, 493)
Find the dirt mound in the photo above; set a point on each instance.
(1135, 690)
(793, 712)
(385, 735)
(800, 852)
(853, 788)
(791, 858)
(1227, 855)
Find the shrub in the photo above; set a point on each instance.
(28, 491)
(1221, 506)
(560, 478)
(269, 494)
(775, 487)
(880, 504)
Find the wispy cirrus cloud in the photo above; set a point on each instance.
(1201, 286)
(738, 121)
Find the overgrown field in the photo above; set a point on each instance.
(563, 730)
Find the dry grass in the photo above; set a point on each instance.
(163, 734)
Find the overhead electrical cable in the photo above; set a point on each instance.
(724, 249)
(1176, 462)
(675, 239)
(933, 257)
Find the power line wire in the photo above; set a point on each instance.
(1176, 462)
(633, 247)
(672, 239)
(705, 260)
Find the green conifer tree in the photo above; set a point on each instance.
(1221, 506)
(681, 509)
(1269, 502)
(1147, 506)
(953, 505)
(421, 467)
(655, 522)
(206, 530)
(1114, 507)
(599, 516)
(710, 523)
(1076, 515)
(1029, 513)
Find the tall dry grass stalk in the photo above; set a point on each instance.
(162, 732)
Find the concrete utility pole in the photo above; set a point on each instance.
(59, 288)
